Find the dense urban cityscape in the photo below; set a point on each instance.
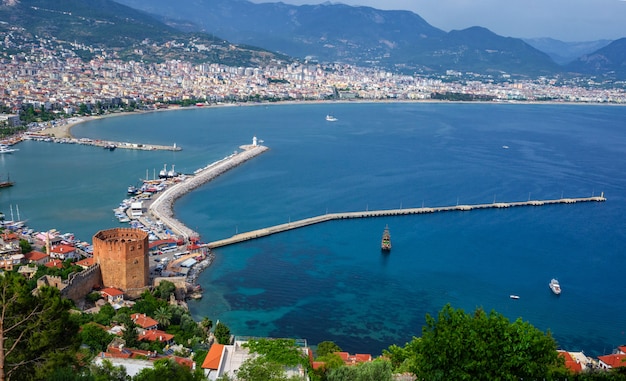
(60, 80)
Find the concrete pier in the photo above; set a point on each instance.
(390, 212)
(162, 208)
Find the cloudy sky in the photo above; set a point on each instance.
(566, 20)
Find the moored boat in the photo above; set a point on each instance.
(385, 244)
(514, 296)
(555, 286)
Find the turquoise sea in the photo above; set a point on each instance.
(330, 281)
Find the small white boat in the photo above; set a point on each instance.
(6, 149)
(330, 118)
(514, 296)
(555, 286)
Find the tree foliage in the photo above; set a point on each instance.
(169, 370)
(280, 351)
(460, 346)
(222, 333)
(36, 333)
(327, 347)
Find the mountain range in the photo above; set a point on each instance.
(227, 30)
(126, 32)
(399, 40)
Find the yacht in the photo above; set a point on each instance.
(6, 149)
(555, 286)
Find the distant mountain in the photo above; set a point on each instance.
(130, 33)
(609, 62)
(357, 35)
(565, 52)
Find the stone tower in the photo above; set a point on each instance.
(123, 257)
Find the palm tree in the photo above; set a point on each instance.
(206, 324)
(163, 316)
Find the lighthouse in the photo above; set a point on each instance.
(254, 141)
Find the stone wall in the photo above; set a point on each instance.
(77, 286)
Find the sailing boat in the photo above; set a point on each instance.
(385, 244)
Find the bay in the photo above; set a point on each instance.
(330, 281)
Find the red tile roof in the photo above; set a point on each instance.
(614, 360)
(54, 263)
(111, 291)
(144, 321)
(571, 363)
(156, 335)
(35, 256)
(63, 249)
(85, 263)
(213, 358)
(622, 348)
(349, 359)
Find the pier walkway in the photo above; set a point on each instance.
(390, 212)
(161, 207)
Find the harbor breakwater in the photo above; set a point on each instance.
(162, 208)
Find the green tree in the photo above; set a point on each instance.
(36, 332)
(164, 290)
(169, 370)
(109, 372)
(25, 246)
(95, 337)
(460, 346)
(377, 370)
(326, 347)
(222, 333)
(206, 324)
(163, 316)
(261, 369)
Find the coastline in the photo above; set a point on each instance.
(65, 130)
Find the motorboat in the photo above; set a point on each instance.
(330, 118)
(555, 286)
(514, 296)
(6, 149)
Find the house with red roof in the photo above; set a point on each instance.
(156, 335)
(54, 263)
(615, 360)
(36, 257)
(354, 359)
(86, 263)
(112, 295)
(212, 360)
(63, 252)
(577, 362)
(145, 322)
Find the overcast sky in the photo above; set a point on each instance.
(566, 20)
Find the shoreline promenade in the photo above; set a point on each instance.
(162, 207)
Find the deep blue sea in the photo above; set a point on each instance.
(330, 281)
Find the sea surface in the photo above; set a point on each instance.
(330, 281)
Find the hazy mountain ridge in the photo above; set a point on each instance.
(565, 52)
(356, 35)
(609, 61)
(130, 33)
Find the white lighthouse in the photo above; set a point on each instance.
(254, 143)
